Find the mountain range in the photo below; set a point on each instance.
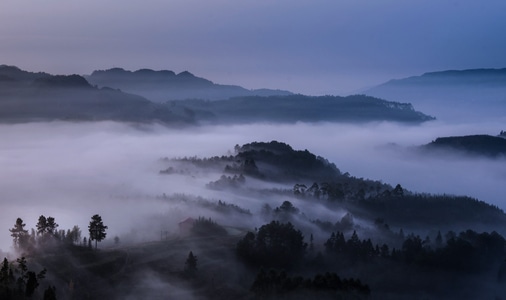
(452, 94)
(27, 96)
(165, 85)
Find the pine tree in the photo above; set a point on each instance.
(97, 229)
(19, 234)
(191, 264)
(51, 226)
(41, 225)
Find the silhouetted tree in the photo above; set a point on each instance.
(97, 229)
(51, 226)
(287, 207)
(41, 225)
(19, 234)
(191, 264)
(398, 191)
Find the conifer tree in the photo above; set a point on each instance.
(19, 234)
(97, 229)
(191, 264)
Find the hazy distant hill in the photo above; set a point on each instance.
(161, 86)
(475, 93)
(485, 145)
(27, 96)
(293, 108)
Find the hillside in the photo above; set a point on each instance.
(314, 179)
(311, 232)
(473, 93)
(27, 96)
(481, 145)
(294, 108)
(164, 85)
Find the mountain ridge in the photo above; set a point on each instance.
(27, 96)
(451, 94)
(478, 144)
(166, 85)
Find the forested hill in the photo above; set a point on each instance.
(279, 161)
(484, 145)
(314, 179)
(294, 108)
(164, 85)
(27, 96)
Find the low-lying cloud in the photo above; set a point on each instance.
(73, 170)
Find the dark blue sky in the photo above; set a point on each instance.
(313, 47)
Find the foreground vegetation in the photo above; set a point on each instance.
(320, 234)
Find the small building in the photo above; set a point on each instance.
(186, 226)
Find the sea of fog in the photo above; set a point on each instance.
(73, 170)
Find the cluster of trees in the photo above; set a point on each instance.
(277, 284)
(400, 206)
(207, 227)
(286, 163)
(354, 248)
(47, 234)
(467, 251)
(206, 162)
(276, 244)
(432, 210)
(227, 182)
(345, 224)
(345, 188)
(218, 206)
(19, 282)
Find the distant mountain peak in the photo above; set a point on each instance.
(185, 74)
(452, 94)
(165, 85)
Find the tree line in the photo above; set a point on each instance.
(47, 234)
